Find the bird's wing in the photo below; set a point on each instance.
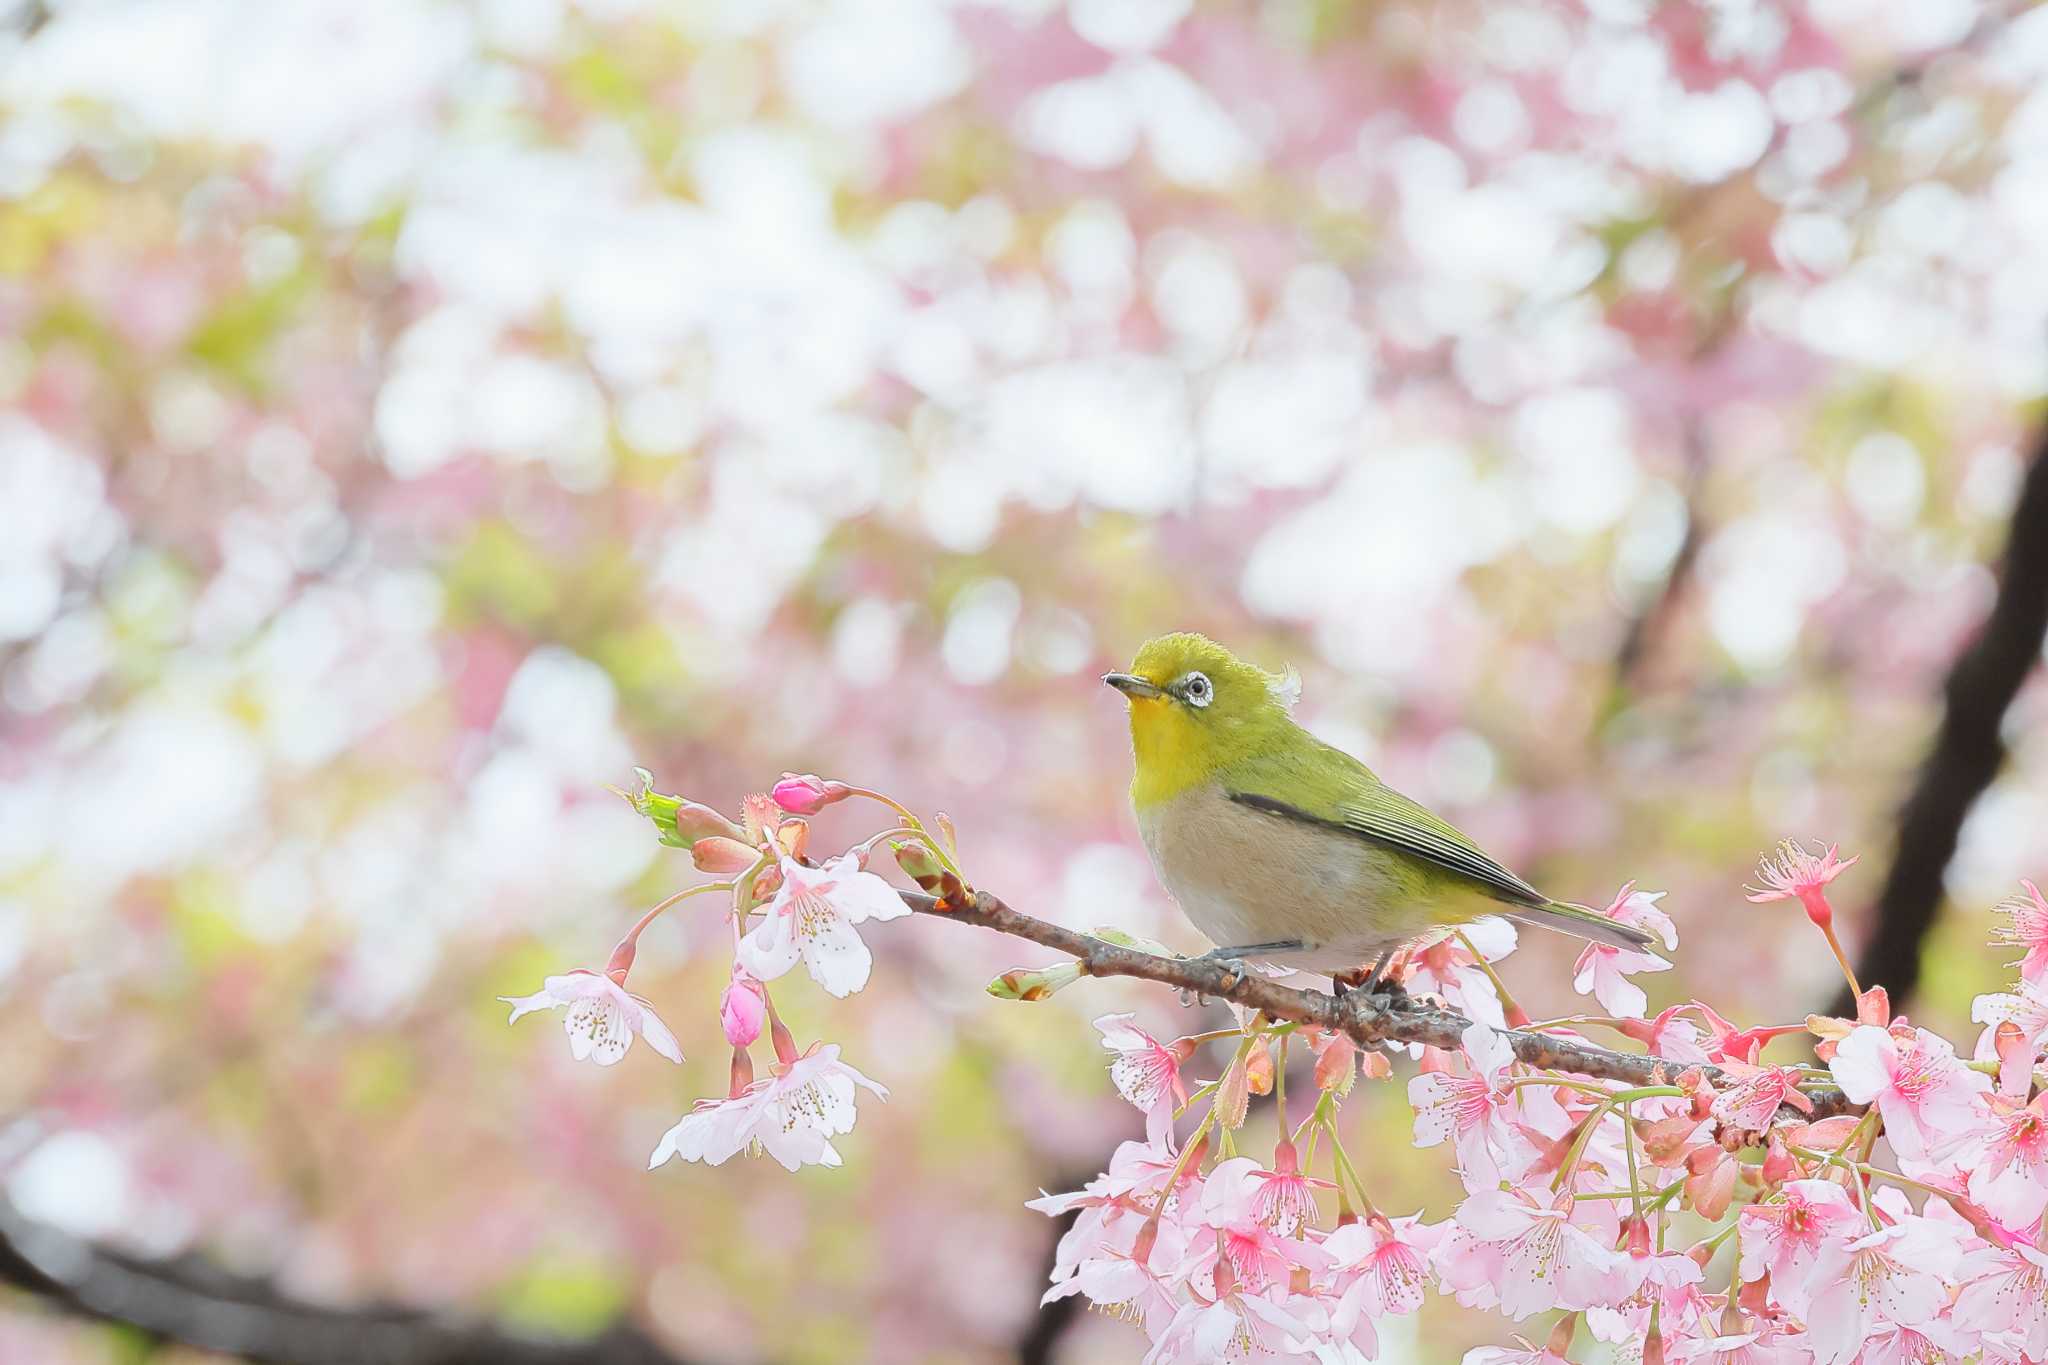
(1355, 802)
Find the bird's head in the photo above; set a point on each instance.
(1195, 708)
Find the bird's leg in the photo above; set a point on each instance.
(1377, 979)
(1232, 960)
(1390, 975)
(1236, 956)
(1343, 983)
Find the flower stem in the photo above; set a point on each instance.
(1628, 1133)
(633, 934)
(1842, 958)
(628, 947)
(915, 826)
(1341, 1161)
(1194, 1144)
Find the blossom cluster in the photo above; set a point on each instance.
(783, 910)
(1728, 1208)
(1796, 1244)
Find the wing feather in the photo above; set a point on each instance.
(1393, 821)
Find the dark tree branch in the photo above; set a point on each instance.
(1968, 749)
(1367, 1020)
(187, 1301)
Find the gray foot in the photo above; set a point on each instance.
(1244, 950)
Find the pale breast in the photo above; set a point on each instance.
(1244, 876)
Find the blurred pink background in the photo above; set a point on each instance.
(414, 415)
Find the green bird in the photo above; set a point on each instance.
(1283, 849)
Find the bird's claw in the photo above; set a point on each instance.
(1392, 995)
(1233, 968)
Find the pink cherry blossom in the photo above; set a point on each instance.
(2005, 1289)
(1448, 969)
(1603, 970)
(1665, 1284)
(1783, 1238)
(1757, 1093)
(812, 917)
(2026, 1009)
(1380, 1269)
(1146, 1071)
(1670, 1035)
(603, 1017)
(1527, 1257)
(1283, 1198)
(1123, 1288)
(2006, 1160)
(1739, 1045)
(792, 1116)
(1891, 1276)
(1795, 873)
(2026, 926)
(1896, 1345)
(1521, 1353)
(1247, 1250)
(1762, 1347)
(1114, 1207)
(1927, 1097)
(1235, 1327)
(1470, 1111)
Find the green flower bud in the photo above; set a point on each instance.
(1022, 983)
(680, 823)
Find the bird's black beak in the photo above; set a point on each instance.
(1131, 685)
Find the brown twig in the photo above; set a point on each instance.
(1365, 1019)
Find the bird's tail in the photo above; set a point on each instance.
(1588, 924)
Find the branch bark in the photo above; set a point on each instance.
(1365, 1019)
(1968, 748)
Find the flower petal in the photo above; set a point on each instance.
(528, 1004)
(860, 895)
(834, 952)
(769, 949)
(657, 1033)
(1862, 1064)
(597, 1030)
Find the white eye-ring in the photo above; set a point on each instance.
(1196, 690)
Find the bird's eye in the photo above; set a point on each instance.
(1195, 687)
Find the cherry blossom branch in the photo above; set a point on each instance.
(1366, 1020)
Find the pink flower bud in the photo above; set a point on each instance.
(1258, 1069)
(694, 822)
(722, 855)
(807, 793)
(743, 1009)
(1336, 1063)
